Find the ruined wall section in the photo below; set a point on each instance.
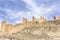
(9, 28)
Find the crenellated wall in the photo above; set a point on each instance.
(9, 28)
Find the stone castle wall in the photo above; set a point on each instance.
(9, 28)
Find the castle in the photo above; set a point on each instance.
(10, 29)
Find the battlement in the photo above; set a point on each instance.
(11, 28)
(42, 19)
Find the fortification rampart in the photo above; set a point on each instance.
(9, 28)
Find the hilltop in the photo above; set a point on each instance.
(32, 30)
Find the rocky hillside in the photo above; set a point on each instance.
(44, 31)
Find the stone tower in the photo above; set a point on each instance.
(42, 19)
(34, 20)
(57, 17)
(25, 21)
(4, 26)
(10, 27)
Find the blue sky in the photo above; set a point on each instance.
(14, 10)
